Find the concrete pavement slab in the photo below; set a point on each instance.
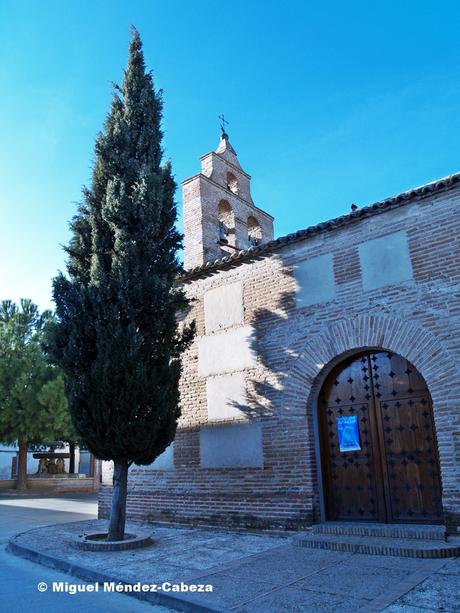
(452, 567)
(252, 572)
(295, 600)
(437, 593)
(338, 579)
(228, 593)
(286, 564)
(398, 608)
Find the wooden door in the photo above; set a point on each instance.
(378, 442)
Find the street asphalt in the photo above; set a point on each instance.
(19, 578)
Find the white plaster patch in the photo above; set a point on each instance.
(223, 394)
(107, 472)
(232, 446)
(314, 280)
(223, 307)
(385, 261)
(226, 352)
(165, 461)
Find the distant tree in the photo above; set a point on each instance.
(117, 339)
(33, 405)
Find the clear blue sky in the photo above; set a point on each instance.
(329, 103)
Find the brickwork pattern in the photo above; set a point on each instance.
(202, 195)
(296, 348)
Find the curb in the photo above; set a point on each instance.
(164, 599)
(95, 542)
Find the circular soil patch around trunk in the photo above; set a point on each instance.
(97, 541)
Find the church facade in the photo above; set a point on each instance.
(323, 383)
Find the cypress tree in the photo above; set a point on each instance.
(117, 338)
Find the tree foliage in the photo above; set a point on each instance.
(33, 404)
(117, 339)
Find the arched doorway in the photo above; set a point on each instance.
(378, 443)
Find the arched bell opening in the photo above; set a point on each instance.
(254, 232)
(378, 449)
(226, 226)
(232, 182)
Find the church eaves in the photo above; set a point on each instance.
(381, 206)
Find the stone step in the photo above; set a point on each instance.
(401, 531)
(409, 548)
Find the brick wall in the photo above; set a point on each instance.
(202, 194)
(295, 342)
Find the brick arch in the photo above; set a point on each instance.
(317, 356)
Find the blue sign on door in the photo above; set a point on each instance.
(348, 433)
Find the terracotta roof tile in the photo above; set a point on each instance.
(367, 211)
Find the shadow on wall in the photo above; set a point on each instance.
(265, 387)
(241, 396)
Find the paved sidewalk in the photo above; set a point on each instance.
(19, 578)
(20, 511)
(258, 573)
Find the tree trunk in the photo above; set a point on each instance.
(118, 509)
(22, 465)
(72, 458)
